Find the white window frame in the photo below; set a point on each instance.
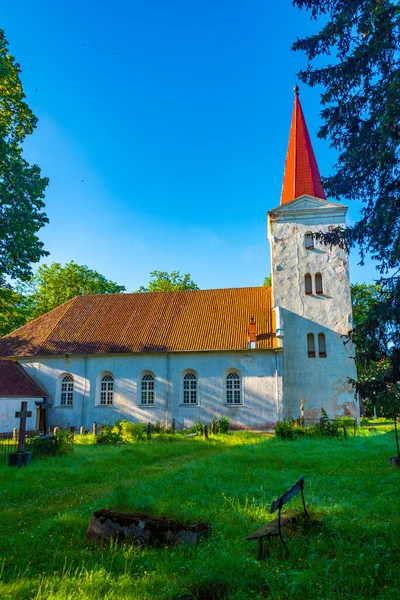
(233, 388)
(67, 390)
(147, 389)
(106, 396)
(188, 390)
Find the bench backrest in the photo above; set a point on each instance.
(279, 502)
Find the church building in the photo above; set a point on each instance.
(256, 355)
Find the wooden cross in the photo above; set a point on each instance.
(22, 415)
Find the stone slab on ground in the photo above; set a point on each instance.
(140, 529)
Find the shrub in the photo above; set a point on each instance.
(313, 430)
(161, 427)
(328, 428)
(298, 430)
(122, 431)
(347, 422)
(51, 445)
(132, 432)
(325, 427)
(223, 424)
(108, 435)
(285, 429)
(197, 427)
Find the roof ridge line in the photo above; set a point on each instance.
(246, 287)
(296, 135)
(305, 131)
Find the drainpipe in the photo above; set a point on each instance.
(167, 389)
(84, 392)
(278, 400)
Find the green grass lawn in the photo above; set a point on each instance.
(229, 481)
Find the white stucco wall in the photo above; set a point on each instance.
(260, 375)
(9, 406)
(316, 382)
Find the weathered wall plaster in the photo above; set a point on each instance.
(316, 382)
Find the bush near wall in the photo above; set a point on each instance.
(127, 432)
(51, 445)
(325, 428)
(122, 431)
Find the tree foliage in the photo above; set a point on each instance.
(15, 310)
(361, 114)
(55, 284)
(162, 281)
(268, 281)
(376, 314)
(21, 185)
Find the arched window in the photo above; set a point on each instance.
(318, 284)
(67, 390)
(190, 389)
(309, 241)
(233, 395)
(311, 345)
(147, 389)
(308, 284)
(321, 345)
(107, 390)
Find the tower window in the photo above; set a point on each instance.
(309, 241)
(321, 345)
(311, 345)
(308, 284)
(318, 284)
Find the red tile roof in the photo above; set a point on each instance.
(181, 321)
(301, 169)
(14, 381)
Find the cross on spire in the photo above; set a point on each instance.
(301, 169)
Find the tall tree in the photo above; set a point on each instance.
(21, 185)
(361, 115)
(162, 281)
(15, 310)
(376, 314)
(55, 284)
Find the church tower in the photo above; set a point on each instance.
(311, 288)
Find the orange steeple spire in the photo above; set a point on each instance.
(301, 169)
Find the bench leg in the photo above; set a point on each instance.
(260, 549)
(280, 531)
(304, 504)
(283, 542)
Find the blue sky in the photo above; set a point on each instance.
(163, 128)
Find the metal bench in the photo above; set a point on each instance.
(274, 528)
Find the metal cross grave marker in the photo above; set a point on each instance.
(22, 415)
